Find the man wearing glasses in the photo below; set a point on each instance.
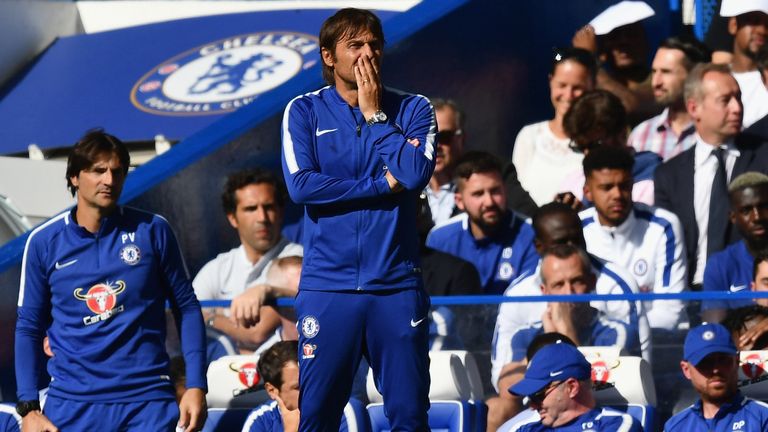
(450, 144)
(711, 362)
(557, 385)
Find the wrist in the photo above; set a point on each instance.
(25, 407)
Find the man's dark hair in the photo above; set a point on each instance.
(475, 162)
(608, 157)
(736, 321)
(346, 22)
(545, 339)
(596, 116)
(273, 360)
(93, 144)
(694, 51)
(241, 179)
(761, 257)
(578, 55)
(564, 251)
(550, 209)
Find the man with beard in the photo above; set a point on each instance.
(672, 131)
(748, 23)
(496, 240)
(710, 362)
(732, 268)
(645, 240)
(449, 145)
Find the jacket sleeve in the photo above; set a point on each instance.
(670, 274)
(411, 165)
(33, 316)
(305, 183)
(186, 308)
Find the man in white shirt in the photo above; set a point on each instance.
(253, 202)
(687, 184)
(450, 144)
(748, 23)
(643, 239)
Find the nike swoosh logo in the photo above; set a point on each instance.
(734, 288)
(66, 264)
(319, 132)
(554, 374)
(416, 323)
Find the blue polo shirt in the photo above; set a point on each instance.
(742, 414)
(499, 258)
(595, 420)
(728, 270)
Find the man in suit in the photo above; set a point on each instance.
(688, 183)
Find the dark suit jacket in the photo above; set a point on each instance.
(673, 185)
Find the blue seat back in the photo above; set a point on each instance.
(225, 419)
(444, 416)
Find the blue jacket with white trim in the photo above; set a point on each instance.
(101, 300)
(595, 420)
(358, 235)
(741, 414)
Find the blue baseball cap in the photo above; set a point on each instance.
(706, 339)
(554, 362)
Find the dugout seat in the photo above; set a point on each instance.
(623, 383)
(233, 382)
(455, 395)
(753, 374)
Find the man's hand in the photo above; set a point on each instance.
(244, 309)
(559, 317)
(569, 199)
(748, 338)
(192, 410)
(394, 185)
(368, 86)
(585, 38)
(290, 418)
(35, 421)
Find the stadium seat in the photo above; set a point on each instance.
(623, 383)
(234, 383)
(225, 419)
(753, 378)
(455, 385)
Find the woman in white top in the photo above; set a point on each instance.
(542, 154)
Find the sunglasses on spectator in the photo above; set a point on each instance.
(538, 397)
(448, 135)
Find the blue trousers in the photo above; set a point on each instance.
(390, 328)
(150, 416)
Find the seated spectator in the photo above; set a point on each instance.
(530, 414)
(732, 268)
(554, 224)
(278, 368)
(253, 202)
(672, 131)
(645, 240)
(542, 155)
(748, 23)
(565, 270)
(558, 386)
(617, 38)
(598, 119)
(449, 143)
(711, 362)
(497, 241)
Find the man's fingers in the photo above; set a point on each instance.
(183, 417)
(194, 422)
(414, 142)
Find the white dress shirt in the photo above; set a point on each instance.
(704, 171)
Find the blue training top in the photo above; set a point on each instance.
(741, 414)
(101, 299)
(728, 270)
(499, 259)
(358, 235)
(595, 420)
